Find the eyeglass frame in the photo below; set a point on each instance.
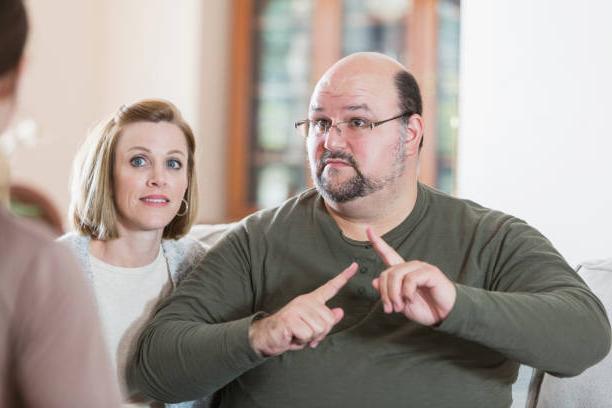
(372, 125)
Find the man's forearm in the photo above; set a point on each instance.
(562, 332)
(181, 360)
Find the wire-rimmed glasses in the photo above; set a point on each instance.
(321, 126)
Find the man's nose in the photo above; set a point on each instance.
(334, 138)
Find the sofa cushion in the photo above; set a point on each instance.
(209, 234)
(592, 388)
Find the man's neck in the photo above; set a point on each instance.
(382, 211)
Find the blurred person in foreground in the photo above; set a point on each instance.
(372, 289)
(52, 351)
(133, 198)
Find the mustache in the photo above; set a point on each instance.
(329, 155)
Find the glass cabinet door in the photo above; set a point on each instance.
(375, 26)
(447, 94)
(282, 86)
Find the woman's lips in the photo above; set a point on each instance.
(155, 200)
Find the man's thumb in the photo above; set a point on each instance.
(338, 314)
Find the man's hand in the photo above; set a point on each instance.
(306, 320)
(417, 289)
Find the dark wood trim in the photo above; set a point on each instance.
(326, 36)
(422, 52)
(240, 108)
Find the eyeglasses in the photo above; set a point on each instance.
(355, 126)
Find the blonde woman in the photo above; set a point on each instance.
(133, 199)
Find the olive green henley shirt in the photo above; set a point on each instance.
(517, 301)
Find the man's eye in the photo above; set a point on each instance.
(138, 161)
(321, 124)
(174, 164)
(358, 123)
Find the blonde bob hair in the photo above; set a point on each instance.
(92, 208)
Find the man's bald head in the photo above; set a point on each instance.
(388, 75)
(360, 64)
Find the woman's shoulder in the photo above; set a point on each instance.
(78, 244)
(74, 241)
(181, 254)
(183, 247)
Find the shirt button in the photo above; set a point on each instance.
(361, 291)
(363, 269)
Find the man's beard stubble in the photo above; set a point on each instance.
(359, 185)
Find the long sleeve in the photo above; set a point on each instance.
(201, 332)
(535, 309)
(60, 358)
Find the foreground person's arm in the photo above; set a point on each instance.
(61, 359)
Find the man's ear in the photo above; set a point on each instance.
(414, 128)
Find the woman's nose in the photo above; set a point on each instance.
(157, 178)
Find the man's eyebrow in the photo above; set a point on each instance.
(362, 106)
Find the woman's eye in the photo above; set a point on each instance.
(138, 161)
(358, 123)
(174, 164)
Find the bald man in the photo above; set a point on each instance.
(370, 290)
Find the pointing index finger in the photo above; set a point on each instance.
(333, 286)
(386, 253)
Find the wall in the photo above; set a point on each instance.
(87, 57)
(535, 139)
(59, 90)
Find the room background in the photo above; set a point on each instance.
(534, 137)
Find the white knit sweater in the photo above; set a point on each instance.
(181, 255)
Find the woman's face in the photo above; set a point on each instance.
(149, 175)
